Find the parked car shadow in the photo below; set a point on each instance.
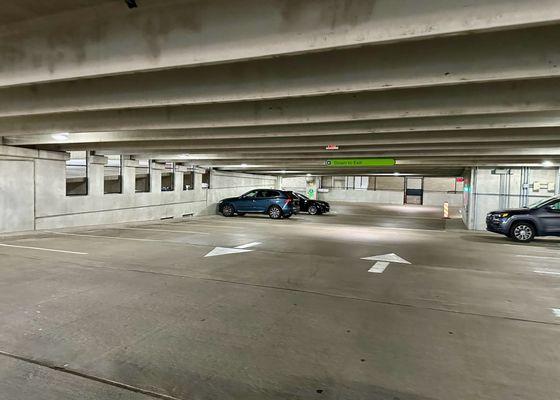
(549, 242)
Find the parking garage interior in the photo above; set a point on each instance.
(125, 124)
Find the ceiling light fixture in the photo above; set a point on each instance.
(61, 137)
(547, 164)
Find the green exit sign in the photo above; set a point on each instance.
(360, 162)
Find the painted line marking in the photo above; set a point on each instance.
(556, 312)
(221, 251)
(379, 267)
(544, 257)
(163, 230)
(111, 237)
(244, 246)
(391, 257)
(546, 271)
(383, 261)
(44, 249)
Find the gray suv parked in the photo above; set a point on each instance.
(523, 224)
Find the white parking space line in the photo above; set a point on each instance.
(111, 237)
(547, 271)
(44, 249)
(540, 257)
(164, 230)
(244, 246)
(379, 267)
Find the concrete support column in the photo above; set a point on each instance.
(178, 181)
(198, 180)
(129, 176)
(96, 174)
(155, 177)
(557, 191)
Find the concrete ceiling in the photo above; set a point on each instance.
(265, 85)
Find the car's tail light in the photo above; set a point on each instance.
(288, 200)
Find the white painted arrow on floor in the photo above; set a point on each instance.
(221, 251)
(383, 262)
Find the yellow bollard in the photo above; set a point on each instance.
(446, 210)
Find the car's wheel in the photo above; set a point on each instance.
(313, 210)
(522, 231)
(275, 212)
(228, 210)
(240, 214)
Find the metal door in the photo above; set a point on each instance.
(414, 190)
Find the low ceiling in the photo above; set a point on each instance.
(266, 85)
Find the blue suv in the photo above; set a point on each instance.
(275, 203)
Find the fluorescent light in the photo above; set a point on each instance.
(396, 173)
(547, 164)
(243, 165)
(61, 137)
(309, 175)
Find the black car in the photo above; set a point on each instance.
(313, 207)
(523, 224)
(275, 203)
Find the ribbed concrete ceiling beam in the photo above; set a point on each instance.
(319, 163)
(490, 98)
(526, 54)
(487, 124)
(243, 157)
(351, 151)
(516, 138)
(111, 39)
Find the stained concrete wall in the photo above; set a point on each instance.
(225, 184)
(364, 196)
(33, 193)
(390, 190)
(294, 183)
(16, 196)
(439, 190)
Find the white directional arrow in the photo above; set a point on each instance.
(221, 251)
(383, 262)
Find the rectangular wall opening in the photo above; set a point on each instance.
(112, 175)
(206, 180)
(168, 178)
(77, 174)
(188, 180)
(143, 171)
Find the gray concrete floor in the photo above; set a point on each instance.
(138, 312)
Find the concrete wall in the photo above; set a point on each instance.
(364, 196)
(16, 196)
(33, 193)
(390, 190)
(494, 189)
(440, 190)
(230, 184)
(295, 183)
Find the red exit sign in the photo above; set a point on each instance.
(331, 147)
